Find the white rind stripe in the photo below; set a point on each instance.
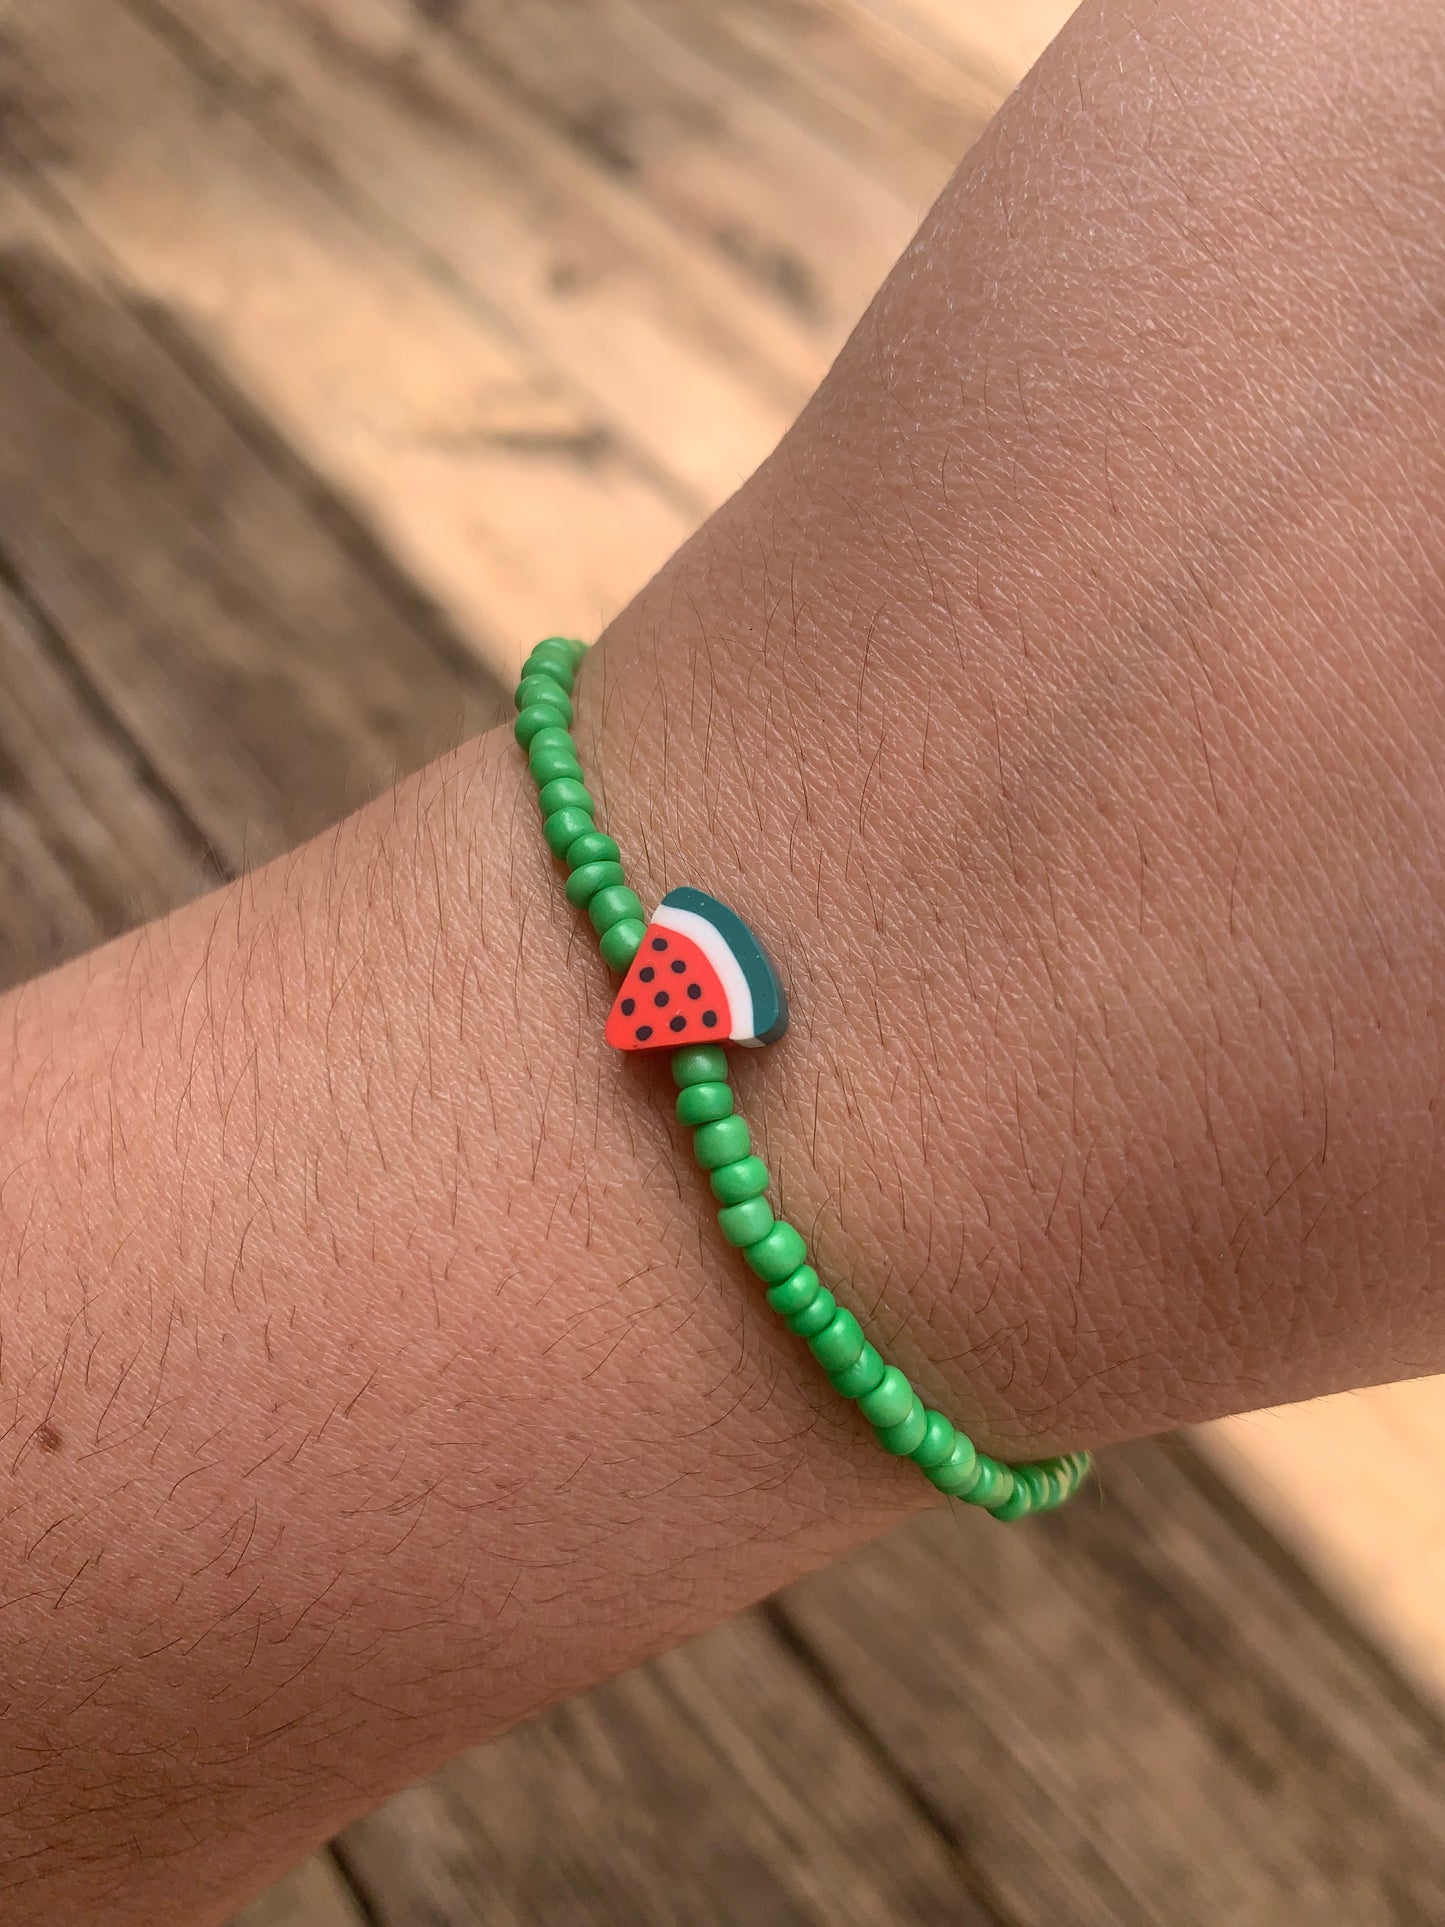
(687, 923)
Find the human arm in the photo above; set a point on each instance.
(373, 1372)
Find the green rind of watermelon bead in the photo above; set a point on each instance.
(699, 1064)
(531, 722)
(544, 692)
(745, 1223)
(589, 878)
(731, 1183)
(861, 1376)
(704, 1104)
(815, 1316)
(840, 1343)
(800, 1288)
(621, 943)
(593, 846)
(616, 904)
(722, 1142)
(780, 1252)
(563, 827)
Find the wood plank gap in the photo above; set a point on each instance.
(91, 699)
(806, 1656)
(357, 1891)
(159, 20)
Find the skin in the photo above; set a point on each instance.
(1063, 702)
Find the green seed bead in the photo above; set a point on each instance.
(959, 1473)
(542, 692)
(890, 1401)
(994, 1485)
(592, 847)
(565, 793)
(615, 904)
(551, 736)
(781, 1252)
(551, 761)
(722, 1142)
(816, 1316)
(731, 1183)
(904, 1437)
(699, 1064)
(620, 944)
(576, 649)
(703, 1103)
(1033, 1492)
(531, 722)
(936, 1445)
(584, 883)
(745, 1223)
(861, 1376)
(800, 1289)
(556, 663)
(563, 827)
(1018, 1505)
(840, 1343)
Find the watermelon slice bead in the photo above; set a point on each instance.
(699, 977)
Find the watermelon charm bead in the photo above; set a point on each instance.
(699, 977)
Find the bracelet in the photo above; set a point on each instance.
(694, 979)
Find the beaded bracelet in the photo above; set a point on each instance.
(695, 978)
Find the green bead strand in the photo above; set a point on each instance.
(615, 904)
(815, 1316)
(889, 1402)
(731, 1183)
(589, 878)
(794, 1292)
(745, 1223)
(781, 1252)
(722, 1142)
(840, 1343)
(592, 847)
(541, 692)
(908, 1434)
(532, 721)
(704, 1103)
(699, 1064)
(621, 943)
(563, 827)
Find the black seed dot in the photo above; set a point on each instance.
(629, 1004)
(709, 1017)
(659, 943)
(647, 973)
(644, 1031)
(678, 966)
(694, 991)
(662, 999)
(678, 1023)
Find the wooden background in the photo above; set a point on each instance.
(345, 346)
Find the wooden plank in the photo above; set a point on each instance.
(314, 1895)
(1352, 1485)
(88, 843)
(679, 352)
(723, 166)
(260, 648)
(461, 455)
(718, 1785)
(1137, 1711)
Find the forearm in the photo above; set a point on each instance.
(1062, 703)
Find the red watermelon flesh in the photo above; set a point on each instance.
(671, 995)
